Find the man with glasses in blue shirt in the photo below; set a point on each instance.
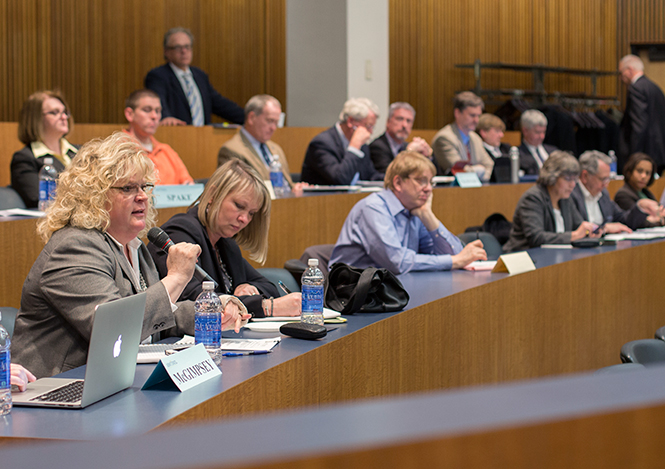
(396, 228)
(186, 94)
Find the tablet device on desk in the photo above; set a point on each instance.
(114, 344)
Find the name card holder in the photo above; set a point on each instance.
(515, 263)
(465, 180)
(271, 189)
(183, 370)
(177, 195)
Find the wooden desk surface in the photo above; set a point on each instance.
(461, 329)
(296, 223)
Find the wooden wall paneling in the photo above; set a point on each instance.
(275, 57)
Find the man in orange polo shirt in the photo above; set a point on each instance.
(143, 111)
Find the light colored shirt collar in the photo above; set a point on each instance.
(587, 194)
(133, 248)
(256, 145)
(540, 150)
(39, 149)
(179, 72)
(395, 146)
(393, 203)
(496, 151)
(636, 77)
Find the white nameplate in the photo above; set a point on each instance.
(178, 195)
(185, 369)
(515, 263)
(465, 180)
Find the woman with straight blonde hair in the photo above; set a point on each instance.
(232, 212)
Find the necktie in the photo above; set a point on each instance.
(266, 155)
(193, 100)
(539, 159)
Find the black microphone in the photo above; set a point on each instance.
(159, 238)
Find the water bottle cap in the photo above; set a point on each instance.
(313, 262)
(208, 285)
(48, 160)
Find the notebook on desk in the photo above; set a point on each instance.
(114, 344)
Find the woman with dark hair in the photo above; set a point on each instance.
(638, 175)
(44, 121)
(232, 212)
(544, 215)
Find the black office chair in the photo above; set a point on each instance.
(322, 252)
(275, 275)
(644, 351)
(490, 243)
(620, 368)
(8, 318)
(9, 198)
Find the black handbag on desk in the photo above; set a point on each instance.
(371, 290)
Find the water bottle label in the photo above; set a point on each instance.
(208, 329)
(46, 190)
(5, 369)
(277, 179)
(312, 298)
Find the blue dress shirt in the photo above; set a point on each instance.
(380, 232)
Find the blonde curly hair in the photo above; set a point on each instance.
(81, 193)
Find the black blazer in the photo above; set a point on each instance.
(186, 227)
(381, 153)
(626, 197)
(534, 224)
(328, 162)
(633, 218)
(643, 123)
(25, 174)
(528, 163)
(165, 83)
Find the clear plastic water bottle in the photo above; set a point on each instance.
(514, 165)
(47, 177)
(208, 321)
(5, 372)
(277, 177)
(312, 294)
(613, 164)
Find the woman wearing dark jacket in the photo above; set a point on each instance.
(638, 176)
(544, 213)
(233, 210)
(44, 121)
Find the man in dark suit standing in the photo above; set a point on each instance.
(398, 128)
(185, 92)
(643, 124)
(340, 155)
(533, 152)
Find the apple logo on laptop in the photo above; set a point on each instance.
(116, 346)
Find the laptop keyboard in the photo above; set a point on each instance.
(71, 392)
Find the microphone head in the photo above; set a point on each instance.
(158, 237)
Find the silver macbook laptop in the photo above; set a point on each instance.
(114, 345)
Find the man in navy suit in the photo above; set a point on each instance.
(398, 128)
(185, 92)
(643, 123)
(340, 155)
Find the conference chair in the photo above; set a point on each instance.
(490, 243)
(644, 351)
(275, 275)
(322, 252)
(9, 198)
(620, 368)
(8, 318)
(660, 333)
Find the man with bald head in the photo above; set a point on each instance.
(643, 123)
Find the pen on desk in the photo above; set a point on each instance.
(242, 354)
(283, 287)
